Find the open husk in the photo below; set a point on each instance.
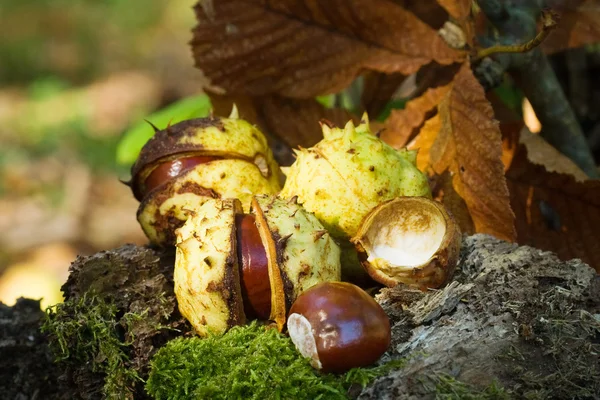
(164, 209)
(206, 276)
(240, 165)
(300, 254)
(411, 240)
(226, 138)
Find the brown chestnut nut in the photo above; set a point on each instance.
(339, 327)
(254, 268)
(169, 170)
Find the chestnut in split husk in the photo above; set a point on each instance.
(252, 257)
(338, 326)
(411, 240)
(187, 163)
(220, 276)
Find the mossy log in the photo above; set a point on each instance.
(514, 322)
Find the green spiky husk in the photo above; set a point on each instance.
(350, 172)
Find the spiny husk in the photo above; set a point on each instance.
(300, 252)
(417, 214)
(164, 209)
(228, 138)
(348, 173)
(206, 276)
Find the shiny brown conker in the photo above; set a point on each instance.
(254, 268)
(339, 327)
(171, 169)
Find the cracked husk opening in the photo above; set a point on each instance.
(278, 307)
(411, 240)
(407, 237)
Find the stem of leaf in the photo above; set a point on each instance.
(549, 23)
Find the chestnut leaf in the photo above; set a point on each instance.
(303, 49)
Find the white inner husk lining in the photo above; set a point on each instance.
(404, 235)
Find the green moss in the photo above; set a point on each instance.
(86, 331)
(448, 388)
(249, 362)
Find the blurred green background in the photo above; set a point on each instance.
(74, 76)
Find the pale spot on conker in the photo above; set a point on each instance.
(300, 332)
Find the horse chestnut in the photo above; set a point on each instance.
(171, 169)
(192, 161)
(254, 268)
(339, 327)
(231, 266)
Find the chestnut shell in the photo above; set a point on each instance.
(210, 278)
(409, 215)
(254, 268)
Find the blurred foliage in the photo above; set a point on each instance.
(327, 100)
(389, 107)
(37, 132)
(510, 95)
(78, 39)
(58, 58)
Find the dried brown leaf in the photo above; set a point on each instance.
(288, 123)
(469, 146)
(435, 75)
(378, 89)
(510, 124)
(301, 49)
(222, 105)
(579, 24)
(542, 153)
(459, 9)
(429, 12)
(554, 211)
(510, 140)
(424, 141)
(443, 191)
(402, 125)
(296, 121)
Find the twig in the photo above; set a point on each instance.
(516, 24)
(549, 22)
(559, 125)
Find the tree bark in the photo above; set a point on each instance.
(514, 315)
